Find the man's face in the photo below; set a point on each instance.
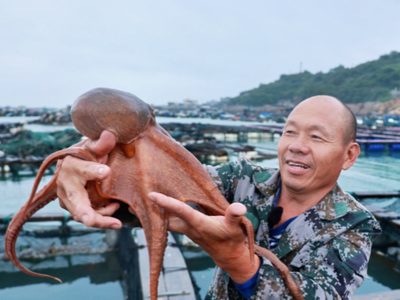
(311, 150)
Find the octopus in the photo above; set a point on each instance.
(145, 159)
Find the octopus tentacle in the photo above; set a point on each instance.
(145, 159)
(18, 221)
(36, 201)
(283, 271)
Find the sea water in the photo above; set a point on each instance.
(377, 172)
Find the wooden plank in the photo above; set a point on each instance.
(176, 275)
(396, 223)
(174, 282)
(381, 213)
(42, 216)
(390, 295)
(144, 266)
(379, 194)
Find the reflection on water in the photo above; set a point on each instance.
(82, 288)
(98, 268)
(15, 192)
(92, 272)
(384, 275)
(372, 174)
(201, 266)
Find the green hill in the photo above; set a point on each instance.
(370, 81)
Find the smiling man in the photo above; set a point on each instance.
(317, 143)
(299, 212)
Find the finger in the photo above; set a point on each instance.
(234, 213)
(176, 207)
(99, 221)
(176, 224)
(108, 210)
(102, 146)
(85, 214)
(82, 170)
(76, 201)
(71, 187)
(61, 203)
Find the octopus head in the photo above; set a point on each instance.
(120, 112)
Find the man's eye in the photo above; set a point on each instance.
(289, 132)
(315, 137)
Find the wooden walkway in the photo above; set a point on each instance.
(174, 282)
(378, 194)
(381, 213)
(378, 212)
(63, 217)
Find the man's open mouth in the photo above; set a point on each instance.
(298, 165)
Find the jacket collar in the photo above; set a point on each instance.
(333, 205)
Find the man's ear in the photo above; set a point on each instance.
(352, 152)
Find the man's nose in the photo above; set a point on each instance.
(300, 146)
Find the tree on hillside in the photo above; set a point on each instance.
(370, 81)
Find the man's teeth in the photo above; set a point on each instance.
(298, 165)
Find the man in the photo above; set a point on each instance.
(320, 232)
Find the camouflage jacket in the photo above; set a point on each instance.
(326, 248)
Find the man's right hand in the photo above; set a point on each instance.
(72, 178)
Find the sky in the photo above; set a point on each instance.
(167, 51)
